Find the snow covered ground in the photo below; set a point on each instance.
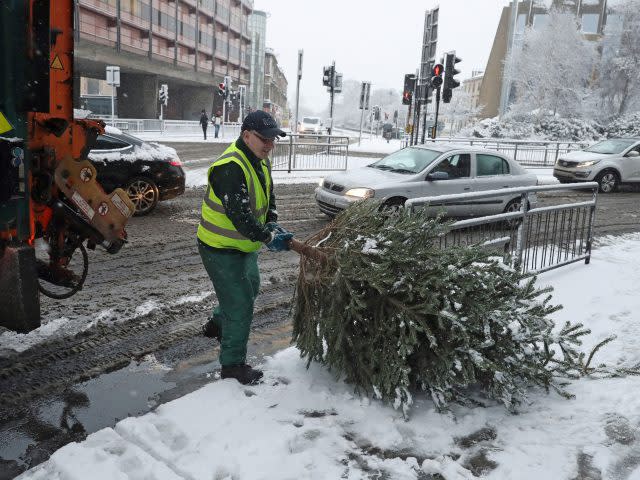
(304, 424)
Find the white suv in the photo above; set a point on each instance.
(609, 162)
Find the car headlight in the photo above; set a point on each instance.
(587, 164)
(320, 182)
(360, 192)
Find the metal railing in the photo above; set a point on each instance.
(310, 152)
(533, 240)
(169, 127)
(526, 152)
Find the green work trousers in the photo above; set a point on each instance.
(236, 280)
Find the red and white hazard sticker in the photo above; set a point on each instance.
(83, 205)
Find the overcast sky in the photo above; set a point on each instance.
(372, 40)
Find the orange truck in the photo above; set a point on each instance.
(48, 190)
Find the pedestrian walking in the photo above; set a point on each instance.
(217, 121)
(204, 122)
(239, 216)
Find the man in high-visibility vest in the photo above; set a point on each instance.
(239, 216)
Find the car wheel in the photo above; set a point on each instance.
(144, 194)
(393, 204)
(512, 206)
(608, 181)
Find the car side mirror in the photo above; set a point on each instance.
(438, 176)
(633, 153)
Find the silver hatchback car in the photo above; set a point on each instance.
(609, 162)
(430, 170)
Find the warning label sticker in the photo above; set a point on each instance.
(5, 126)
(103, 209)
(57, 64)
(83, 205)
(120, 205)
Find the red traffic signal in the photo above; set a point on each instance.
(438, 69)
(221, 89)
(409, 86)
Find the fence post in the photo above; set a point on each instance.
(520, 243)
(515, 153)
(557, 152)
(592, 216)
(290, 153)
(346, 158)
(546, 150)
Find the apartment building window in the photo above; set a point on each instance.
(164, 20)
(521, 23)
(187, 31)
(590, 22)
(208, 4)
(540, 20)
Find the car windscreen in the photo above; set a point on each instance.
(312, 121)
(610, 146)
(407, 160)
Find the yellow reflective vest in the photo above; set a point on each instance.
(215, 228)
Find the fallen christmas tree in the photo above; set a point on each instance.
(392, 312)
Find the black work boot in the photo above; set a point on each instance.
(211, 330)
(243, 373)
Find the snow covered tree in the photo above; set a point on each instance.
(553, 69)
(392, 311)
(620, 62)
(459, 111)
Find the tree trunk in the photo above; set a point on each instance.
(624, 97)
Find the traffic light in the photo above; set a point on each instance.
(163, 94)
(450, 81)
(376, 112)
(221, 89)
(327, 74)
(436, 79)
(409, 85)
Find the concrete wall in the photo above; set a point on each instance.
(492, 80)
(138, 96)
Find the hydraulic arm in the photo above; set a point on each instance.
(48, 188)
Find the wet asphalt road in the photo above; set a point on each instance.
(150, 300)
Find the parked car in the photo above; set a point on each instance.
(310, 126)
(609, 162)
(148, 172)
(430, 170)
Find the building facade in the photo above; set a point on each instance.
(258, 29)
(496, 91)
(275, 89)
(190, 45)
(472, 87)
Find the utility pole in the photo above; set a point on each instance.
(331, 92)
(364, 104)
(295, 119)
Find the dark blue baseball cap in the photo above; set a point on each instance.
(262, 123)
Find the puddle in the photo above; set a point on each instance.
(101, 402)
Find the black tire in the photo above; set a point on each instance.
(608, 181)
(512, 206)
(144, 194)
(393, 204)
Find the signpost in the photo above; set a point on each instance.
(365, 91)
(295, 120)
(113, 79)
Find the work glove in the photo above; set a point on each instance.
(275, 228)
(280, 241)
